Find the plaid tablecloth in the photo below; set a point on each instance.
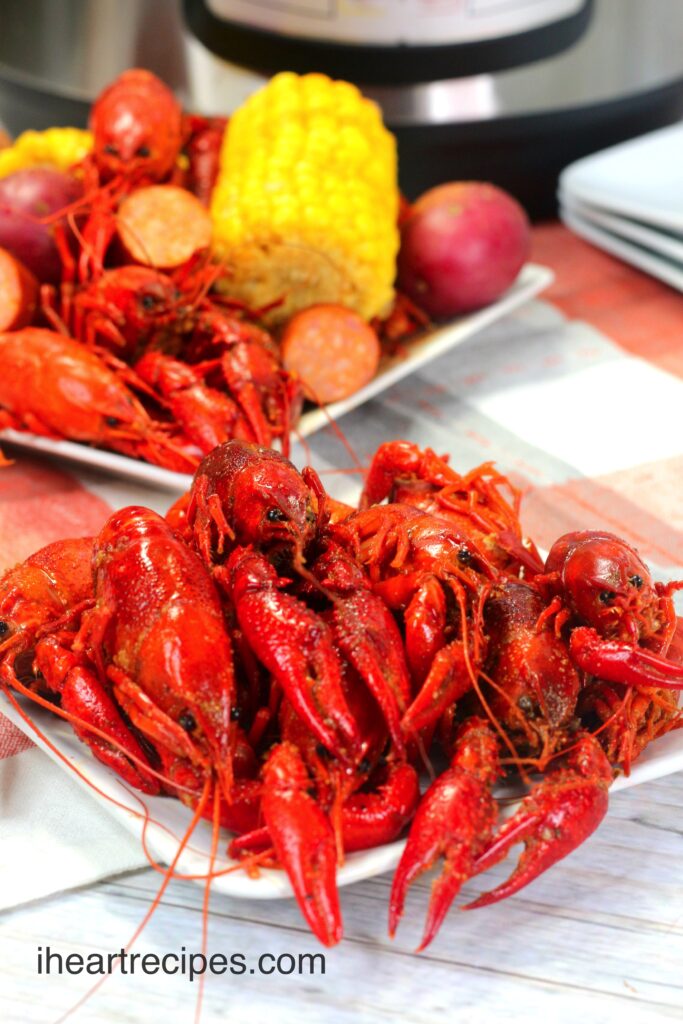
(578, 397)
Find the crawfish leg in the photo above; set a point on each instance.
(448, 681)
(84, 697)
(238, 377)
(425, 620)
(205, 512)
(148, 718)
(27, 421)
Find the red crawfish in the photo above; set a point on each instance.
(137, 127)
(245, 359)
(151, 643)
(157, 633)
(255, 502)
(532, 693)
(482, 502)
(55, 387)
(143, 314)
(245, 367)
(529, 690)
(52, 586)
(124, 309)
(41, 602)
(620, 626)
(437, 578)
(243, 494)
(206, 416)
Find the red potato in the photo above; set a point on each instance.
(18, 293)
(462, 247)
(162, 226)
(332, 350)
(25, 197)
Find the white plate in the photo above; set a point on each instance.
(416, 353)
(663, 757)
(640, 178)
(658, 241)
(652, 263)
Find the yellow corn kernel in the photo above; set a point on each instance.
(56, 147)
(306, 202)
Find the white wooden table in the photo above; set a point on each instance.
(600, 938)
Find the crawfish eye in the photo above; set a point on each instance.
(276, 515)
(112, 421)
(187, 722)
(111, 150)
(4, 628)
(636, 581)
(464, 556)
(148, 302)
(526, 705)
(606, 596)
(143, 151)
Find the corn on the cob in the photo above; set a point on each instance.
(306, 201)
(57, 147)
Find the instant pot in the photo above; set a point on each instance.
(507, 90)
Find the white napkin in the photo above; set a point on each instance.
(54, 836)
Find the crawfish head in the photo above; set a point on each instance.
(253, 494)
(605, 584)
(43, 589)
(137, 126)
(144, 300)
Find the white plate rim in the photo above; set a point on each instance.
(626, 251)
(629, 230)
(572, 180)
(532, 279)
(662, 758)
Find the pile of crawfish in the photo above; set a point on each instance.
(289, 666)
(147, 360)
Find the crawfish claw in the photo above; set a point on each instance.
(619, 662)
(296, 646)
(456, 816)
(555, 818)
(304, 841)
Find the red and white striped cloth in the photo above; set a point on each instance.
(579, 398)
